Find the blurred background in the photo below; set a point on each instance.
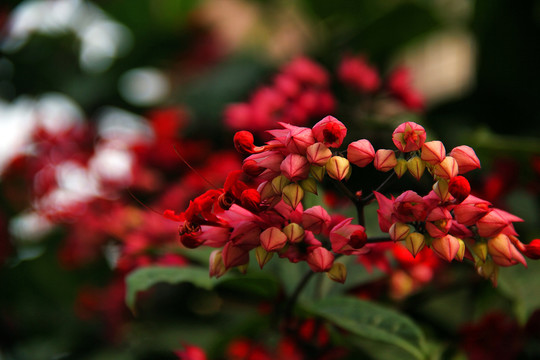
(95, 96)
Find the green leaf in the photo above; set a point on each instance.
(372, 322)
(144, 278)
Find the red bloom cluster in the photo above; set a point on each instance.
(299, 93)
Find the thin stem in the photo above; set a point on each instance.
(368, 198)
(378, 239)
(294, 297)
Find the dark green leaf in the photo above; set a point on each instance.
(372, 322)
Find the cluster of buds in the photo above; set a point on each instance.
(268, 217)
(453, 223)
(300, 92)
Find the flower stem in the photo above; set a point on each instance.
(296, 293)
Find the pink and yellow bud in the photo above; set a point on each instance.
(279, 182)
(399, 231)
(217, 267)
(338, 272)
(273, 239)
(292, 195)
(317, 172)
(299, 139)
(503, 252)
(330, 131)
(409, 136)
(446, 247)
(433, 152)
(316, 219)
(318, 154)
(262, 256)
(338, 167)
(491, 224)
(309, 185)
(478, 249)
(234, 255)
(466, 158)
(266, 190)
(401, 167)
(294, 232)
(446, 169)
(320, 259)
(441, 189)
(385, 160)
(360, 153)
(416, 167)
(438, 222)
(415, 242)
(295, 167)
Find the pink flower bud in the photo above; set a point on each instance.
(338, 167)
(295, 167)
(466, 158)
(409, 136)
(273, 239)
(266, 190)
(415, 242)
(318, 154)
(416, 167)
(320, 259)
(399, 231)
(316, 219)
(347, 238)
(262, 256)
(338, 272)
(294, 232)
(330, 131)
(459, 187)
(433, 152)
(446, 247)
(503, 252)
(438, 222)
(491, 224)
(360, 153)
(446, 169)
(384, 160)
(299, 139)
(234, 255)
(292, 195)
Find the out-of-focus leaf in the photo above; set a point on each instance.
(254, 283)
(373, 322)
(144, 278)
(523, 287)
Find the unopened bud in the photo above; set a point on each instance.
(446, 169)
(433, 152)
(489, 270)
(318, 154)
(399, 231)
(338, 272)
(479, 249)
(401, 167)
(217, 267)
(416, 167)
(279, 182)
(446, 247)
(461, 252)
(360, 152)
(317, 172)
(292, 195)
(262, 256)
(320, 259)
(273, 239)
(385, 160)
(466, 158)
(441, 189)
(338, 168)
(415, 242)
(294, 232)
(309, 185)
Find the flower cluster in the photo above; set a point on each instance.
(260, 208)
